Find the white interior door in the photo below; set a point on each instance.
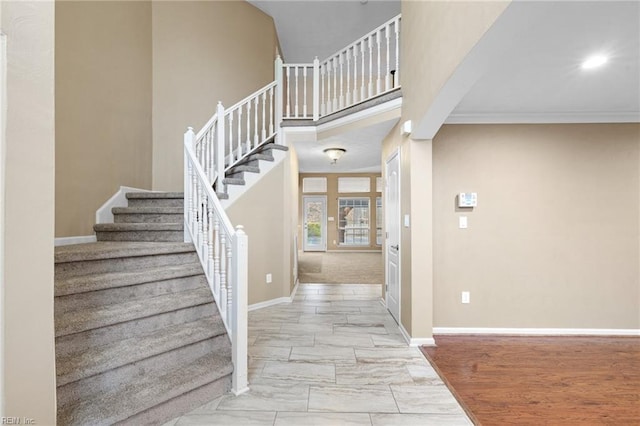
(392, 222)
(314, 237)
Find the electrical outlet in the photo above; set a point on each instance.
(269, 278)
(466, 297)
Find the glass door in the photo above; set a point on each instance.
(314, 223)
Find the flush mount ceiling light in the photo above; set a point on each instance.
(594, 62)
(334, 154)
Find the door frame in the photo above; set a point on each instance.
(304, 222)
(395, 153)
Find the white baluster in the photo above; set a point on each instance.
(348, 57)
(396, 76)
(304, 96)
(355, 73)
(387, 76)
(378, 80)
(323, 106)
(216, 258)
(288, 94)
(231, 133)
(210, 241)
(297, 94)
(239, 126)
(256, 111)
(248, 147)
(334, 104)
(329, 110)
(189, 137)
(370, 88)
(271, 106)
(194, 204)
(223, 276)
(220, 144)
(199, 217)
(205, 227)
(230, 289)
(264, 116)
(363, 92)
(316, 89)
(340, 63)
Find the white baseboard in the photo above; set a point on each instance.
(82, 239)
(119, 199)
(540, 331)
(416, 341)
(276, 301)
(267, 303)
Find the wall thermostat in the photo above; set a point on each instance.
(467, 199)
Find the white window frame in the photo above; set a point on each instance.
(368, 243)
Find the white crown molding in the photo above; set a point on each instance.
(81, 239)
(416, 341)
(540, 331)
(543, 118)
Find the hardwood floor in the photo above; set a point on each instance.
(542, 380)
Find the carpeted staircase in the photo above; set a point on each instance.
(139, 339)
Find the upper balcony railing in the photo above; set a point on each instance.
(366, 68)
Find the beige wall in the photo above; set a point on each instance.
(264, 211)
(203, 52)
(103, 106)
(29, 358)
(332, 208)
(553, 241)
(436, 36)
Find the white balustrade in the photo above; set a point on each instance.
(222, 251)
(298, 85)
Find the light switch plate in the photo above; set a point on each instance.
(462, 222)
(269, 278)
(406, 221)
(330, 219)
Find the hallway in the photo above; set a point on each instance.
(332, 357)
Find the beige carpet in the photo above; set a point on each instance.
(340, 268)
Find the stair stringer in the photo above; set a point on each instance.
(235, 192)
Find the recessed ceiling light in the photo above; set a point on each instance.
(594, 62)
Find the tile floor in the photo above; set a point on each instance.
(334, 356)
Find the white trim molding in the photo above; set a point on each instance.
(276, 301)
(539, 331)
(416, 341)
(82, 239)
(543, 118)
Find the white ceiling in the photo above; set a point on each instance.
(540, 78)
(309, 28)
(363, 145)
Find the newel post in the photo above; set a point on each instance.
(316, 89)
(189, 145)
(240, 307)
(278, 101)
(219, 159)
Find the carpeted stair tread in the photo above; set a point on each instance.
(95, 282)
(152, 390)
(99, 359)
(264, 156)
(234, 180)
(244, 168)
(147, 210)
(101, 316)
(156, 195)
(272, 145)
(137, 227)
(117, 249)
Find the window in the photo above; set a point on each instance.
(379, 221)
(353, 221)
(314, 184)
(378, 184)
(354, 184)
